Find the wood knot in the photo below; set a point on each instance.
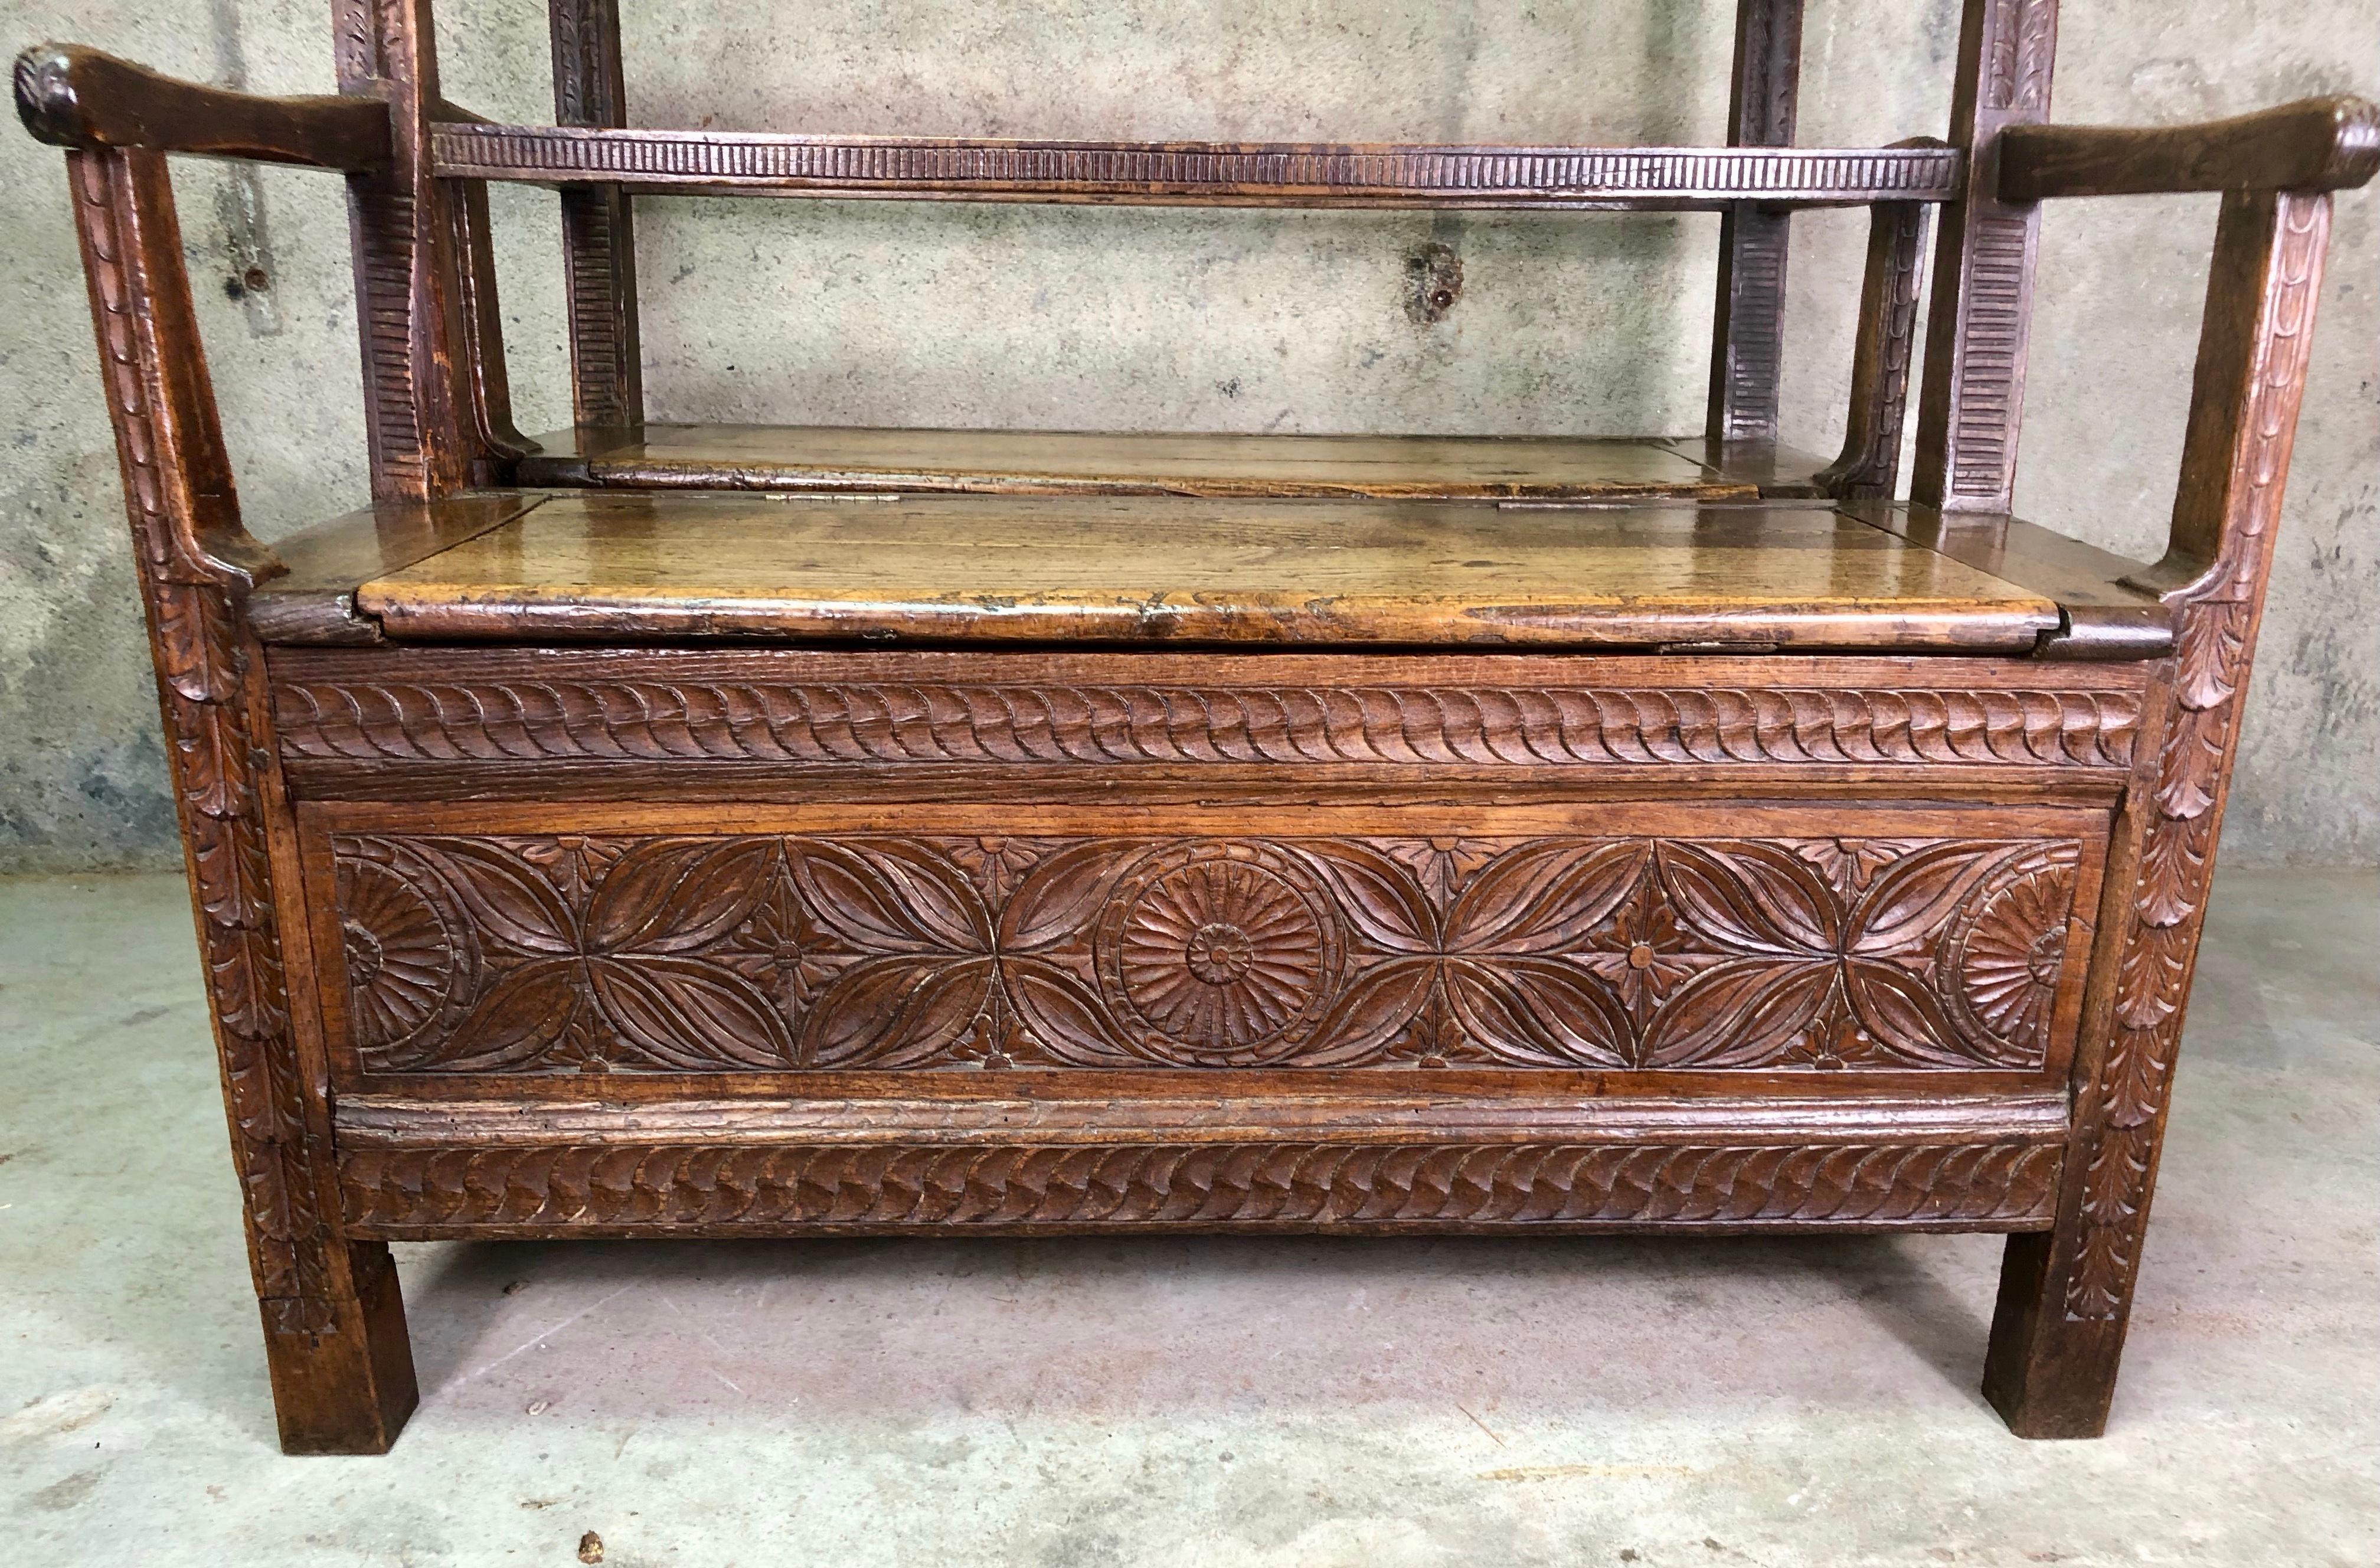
(1433, 283)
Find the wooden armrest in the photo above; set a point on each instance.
(79, 98)
(2316, 144)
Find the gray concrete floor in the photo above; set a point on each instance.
(1209, 1402)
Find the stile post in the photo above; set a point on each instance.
(599, 238)
(1974, 392)
(1747, 346)
(422, 415)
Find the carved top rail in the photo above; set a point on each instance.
(1199, 174)
(70, 96)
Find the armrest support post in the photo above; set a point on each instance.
(2253, 354)
(177, 481)
(2067, 1294)
(333, 1323)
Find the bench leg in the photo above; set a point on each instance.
(343, 1366)
(2048, 1374)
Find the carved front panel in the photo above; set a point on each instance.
(759, 952)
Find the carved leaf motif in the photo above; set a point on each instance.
(1061, 896)
(246, 982)
(1539, 1012)
(2149, 979)
(676, 895)
(1195, 1184)
(2176, 867)
(508, 902)
(681, 1013)
(519, 1019)
(885, 894)
(2138, 1074)
(1545, 897)
(2197, 756)
(2036, 51)
(1064, 1012)
(1905, 910)
(1739, 1014)
(2211, 657)
(1750, 897)
(816, 951)
(1379, 894)
(1903, 1018)
(1374, 1008)
(230, 871)
(199, 651)
(214, 771)
(478, 719)
(894, 1011)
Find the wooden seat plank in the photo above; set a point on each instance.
(1137, 569)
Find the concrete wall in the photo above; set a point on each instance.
(997, 316)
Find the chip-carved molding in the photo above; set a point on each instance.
(358, 719)
(611, 1188)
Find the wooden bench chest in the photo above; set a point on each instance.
(702, 831)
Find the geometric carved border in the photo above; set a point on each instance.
(392, 1192)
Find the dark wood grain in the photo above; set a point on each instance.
(353, 723)
(2315, 144)
(1277, 1186)
(70, 96)
(334, 1330)
(1046, 949)
(1187, 173)
(422, 411)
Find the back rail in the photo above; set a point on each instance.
(1194, 174)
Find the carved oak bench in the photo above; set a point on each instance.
(693, 830)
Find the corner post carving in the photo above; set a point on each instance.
(2066, 1295)
(334, 1331)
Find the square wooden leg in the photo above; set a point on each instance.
(343, 1370)
(2049, 1375)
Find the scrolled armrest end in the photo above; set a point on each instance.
(2355, 146)
(46, 97)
